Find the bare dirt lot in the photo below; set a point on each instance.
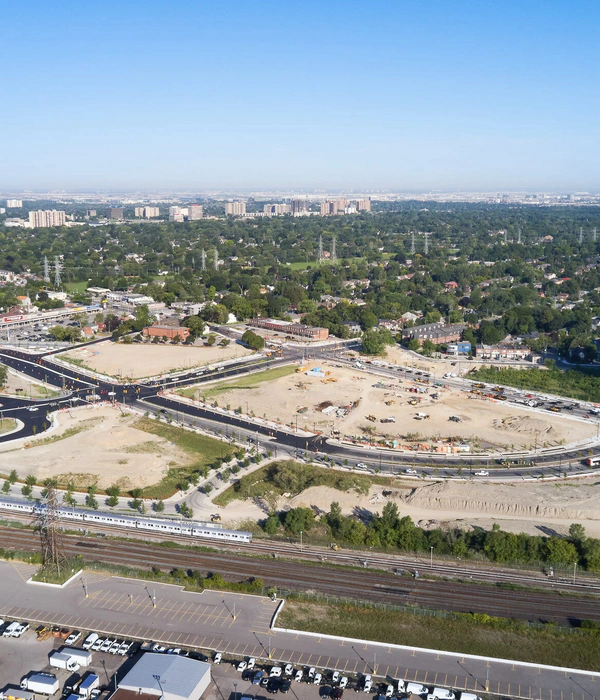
(536, 508)
(483, 423)
(106, 450)
(149, 360)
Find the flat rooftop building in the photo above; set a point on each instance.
(164, 676)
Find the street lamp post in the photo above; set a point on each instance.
(300, 540)
(158, 679)
(431, 557)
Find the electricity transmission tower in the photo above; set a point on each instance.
(46, 270)
(333, 249)
(505, 237)
(580, 235)
(594, 234)
(519, 235)
(57, 269)
(54, 558)
(203, 259)
(412, 243)
(320, 248)
(216, 260)
(426, 242)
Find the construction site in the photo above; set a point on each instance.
(419, 414)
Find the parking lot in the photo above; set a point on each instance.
(240, 626)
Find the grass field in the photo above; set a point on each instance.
(477, 634)
(75, 287)
(202, 450)
(295, 477)
(313, 263)
(7, 424)
(250, 382)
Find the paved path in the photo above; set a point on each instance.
(123, 607)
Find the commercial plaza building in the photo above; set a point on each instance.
(297, 329)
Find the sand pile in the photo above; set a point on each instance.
(572, 501)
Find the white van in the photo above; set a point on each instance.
(441, 694)
(416, 689)
(469, 696)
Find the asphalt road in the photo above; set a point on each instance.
(166, 614)
(78, 388)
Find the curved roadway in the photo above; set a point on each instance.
(79, 388)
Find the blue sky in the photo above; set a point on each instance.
(407, 95)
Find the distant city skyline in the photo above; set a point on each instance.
(409, 97)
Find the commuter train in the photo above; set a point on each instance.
(190, 528)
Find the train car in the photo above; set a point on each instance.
(7, 503)
(189, 528)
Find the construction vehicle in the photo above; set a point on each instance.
(391, 419)
(334, 546)
(413, 402)
(302, 368)
(390, 402)
(215, 518)
(422, 416)
(455, 419)
(372, 418)
(479, 385)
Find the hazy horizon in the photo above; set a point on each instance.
(408, 97)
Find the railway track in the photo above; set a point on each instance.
(373, 586)
(484, 572)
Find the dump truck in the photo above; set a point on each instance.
(372, 418)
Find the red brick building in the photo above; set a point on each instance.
(166, 331)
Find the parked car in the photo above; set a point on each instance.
(317, 679)
(72, 638)
(273, 685)
(242, 666)
(97, 644)
(217, 658)
(275, 672)
(335, 677)
(325, 691)
(298, 676)
(285, 686)
(482, 472)
(258, 676)
(336, 694)
(251, 663)
(288, 670)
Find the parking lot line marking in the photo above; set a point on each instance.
(425, 680)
